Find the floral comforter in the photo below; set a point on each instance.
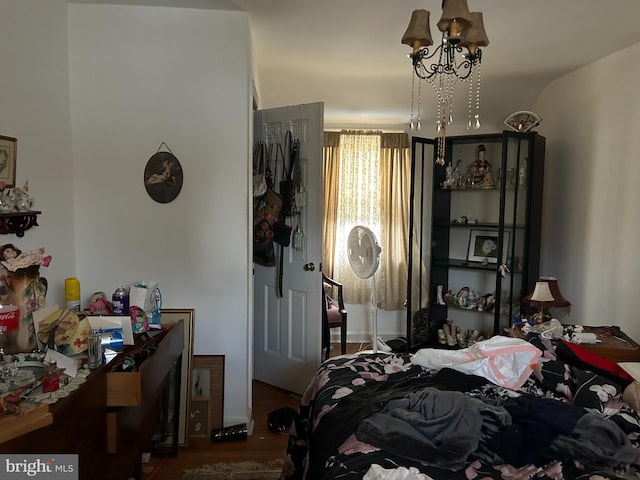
(370, 413)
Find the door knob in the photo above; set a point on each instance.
(310, 267)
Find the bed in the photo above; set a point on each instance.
(382, 415)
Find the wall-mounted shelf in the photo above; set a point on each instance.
(18, 222)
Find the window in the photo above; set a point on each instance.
(366, 182)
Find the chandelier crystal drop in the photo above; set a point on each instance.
(457, 57)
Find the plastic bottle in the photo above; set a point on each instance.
(94, 349)
(72, 294)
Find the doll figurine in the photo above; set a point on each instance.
(23, 279)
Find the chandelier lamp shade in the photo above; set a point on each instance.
(457, 57)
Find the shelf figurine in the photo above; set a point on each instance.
(480, 170)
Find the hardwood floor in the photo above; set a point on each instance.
(263, 446)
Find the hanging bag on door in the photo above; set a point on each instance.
(266, 211)
(260, 159)
(281, 231)
(291, 186)
(265, 216)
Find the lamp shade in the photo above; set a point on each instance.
(418, 33)
(454, 12)
(475, 36)
(558, 300)
(542, 293)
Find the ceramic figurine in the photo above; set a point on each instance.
(51, 379)
(439, 295)
(522, 174)
(22, 199)
(448, 181)
(462, 297)
(480, 170)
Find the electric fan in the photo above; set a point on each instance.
(363, 252)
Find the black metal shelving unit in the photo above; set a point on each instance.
(440, 237)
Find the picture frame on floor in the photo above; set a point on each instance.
(206, 392)
(170, 316)
(199, 420)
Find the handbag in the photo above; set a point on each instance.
(280, 420)
(266, 212)
(291, 187)
(260, 159)
(266, 256)
(282, 233)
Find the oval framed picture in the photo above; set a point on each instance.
(163, 177)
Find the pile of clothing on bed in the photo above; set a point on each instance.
(385, 416)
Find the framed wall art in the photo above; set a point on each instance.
(8, 155)
(169, 316)
(163, 176)
(483, 246)
(199, 419)
(207, 392)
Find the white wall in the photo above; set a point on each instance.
(591, 231)
(34, 101)
(90, 92)
(140, 76)
(390, 324)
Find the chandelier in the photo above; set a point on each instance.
(458, 57)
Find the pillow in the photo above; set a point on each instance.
(631, 395)
(329, 301)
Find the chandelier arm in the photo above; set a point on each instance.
(425, 68)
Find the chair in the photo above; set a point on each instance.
(333, 315)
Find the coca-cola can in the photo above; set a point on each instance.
(9, 318)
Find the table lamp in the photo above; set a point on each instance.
(561, 307)
(542, 298)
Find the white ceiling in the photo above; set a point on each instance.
(347, 53)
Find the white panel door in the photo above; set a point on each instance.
(287, 329)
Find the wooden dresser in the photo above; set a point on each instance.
(613, 344)
(111, 418)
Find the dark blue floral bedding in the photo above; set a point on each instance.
(566, 422)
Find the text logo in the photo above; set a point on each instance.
(40, 466)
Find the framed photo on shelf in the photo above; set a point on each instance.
(169, 316)
(483, 246)
(8, 150)
(207, 392)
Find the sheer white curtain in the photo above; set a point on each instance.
(366, 182)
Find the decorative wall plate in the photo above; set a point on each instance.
(163, 177)
(522, 121)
